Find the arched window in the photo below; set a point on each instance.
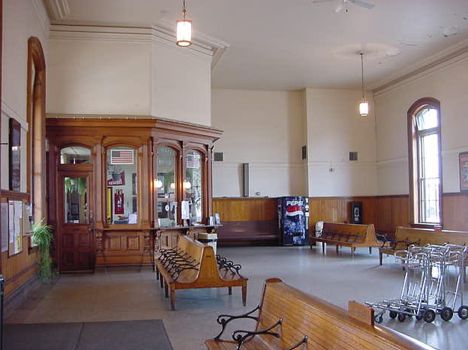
(193, 181)
(36, 149)
(165, 184)
(425, 162)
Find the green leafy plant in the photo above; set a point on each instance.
(42, 238)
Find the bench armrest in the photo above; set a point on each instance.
(223, 320)
(241, 336)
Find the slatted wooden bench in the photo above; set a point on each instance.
(405, 236)
(349, 235)
(194, 265)
(290, 319)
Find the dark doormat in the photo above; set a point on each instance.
(121, 335)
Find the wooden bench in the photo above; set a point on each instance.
(244, 233)
(405, 236)
(349, 235)
(290, 319)
(194, 265)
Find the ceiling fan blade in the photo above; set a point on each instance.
(363, 3)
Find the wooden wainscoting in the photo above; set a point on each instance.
(247, 221)
(124, 247)
(18, 269)
(455, 210)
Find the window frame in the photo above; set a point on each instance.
(415, 164)
(138, 164)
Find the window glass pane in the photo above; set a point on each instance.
(429, 177)
(193, 184)
(165, 187)
(75, 155)
(427, 119)
(122, 186)
(76, 200)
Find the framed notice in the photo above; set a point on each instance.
(15, 155)
(463, 161)
(15, 227)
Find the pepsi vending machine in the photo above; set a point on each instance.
(293, 217)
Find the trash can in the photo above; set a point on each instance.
(209, 238)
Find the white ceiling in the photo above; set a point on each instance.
(292, 44)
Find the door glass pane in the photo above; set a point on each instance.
(164, 186)
(75, 155)
(193, 185)
(76, 200)
(122, 186)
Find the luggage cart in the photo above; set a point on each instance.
(433, 284)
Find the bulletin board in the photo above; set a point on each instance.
(15, 227)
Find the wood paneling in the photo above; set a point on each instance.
(338, 209)
(385, 212)
(245, 209)
(18, 269)
(247, 221)
(125, 247)
(455, 211)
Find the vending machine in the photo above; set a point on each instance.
(293, 217)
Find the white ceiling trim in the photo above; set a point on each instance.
(204, 45)
(58, 9)
(424, 67)
(41, 13)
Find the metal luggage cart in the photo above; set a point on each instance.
(433, 284)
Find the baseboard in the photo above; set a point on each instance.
(20, 295)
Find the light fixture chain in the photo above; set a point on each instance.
(362, 73)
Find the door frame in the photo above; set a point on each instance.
(81, 170)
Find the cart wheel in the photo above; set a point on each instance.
(401, 317)
(446, 314)
(463, 312)
(429, 316)
(393, 314)
(378, 319)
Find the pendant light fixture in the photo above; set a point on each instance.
(184, 29)
(364, 105)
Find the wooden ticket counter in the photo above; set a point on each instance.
(114, 184)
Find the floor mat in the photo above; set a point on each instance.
(120, 335)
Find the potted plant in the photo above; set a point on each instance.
(42, 238)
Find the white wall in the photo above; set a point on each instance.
(21, 20)
(114, 74)
(97, 76)
(265, 129)
(334, 129)
(447, 83)
(181, 84)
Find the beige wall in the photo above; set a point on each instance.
(110, 73)
(265, 129)
(448, 83)
(21, 20)
(334, 129)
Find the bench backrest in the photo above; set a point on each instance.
(191, 247)
(350, 232)
(423, 236)
(325, 325)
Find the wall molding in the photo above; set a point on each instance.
(281, 165)
(203, 44)
(423, 68)
(41, 13)
(11, 113)
(57, 9)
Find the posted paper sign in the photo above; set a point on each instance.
(185, 210)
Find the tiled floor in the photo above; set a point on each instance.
(131, 294)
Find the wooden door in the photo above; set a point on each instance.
(76, 233)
